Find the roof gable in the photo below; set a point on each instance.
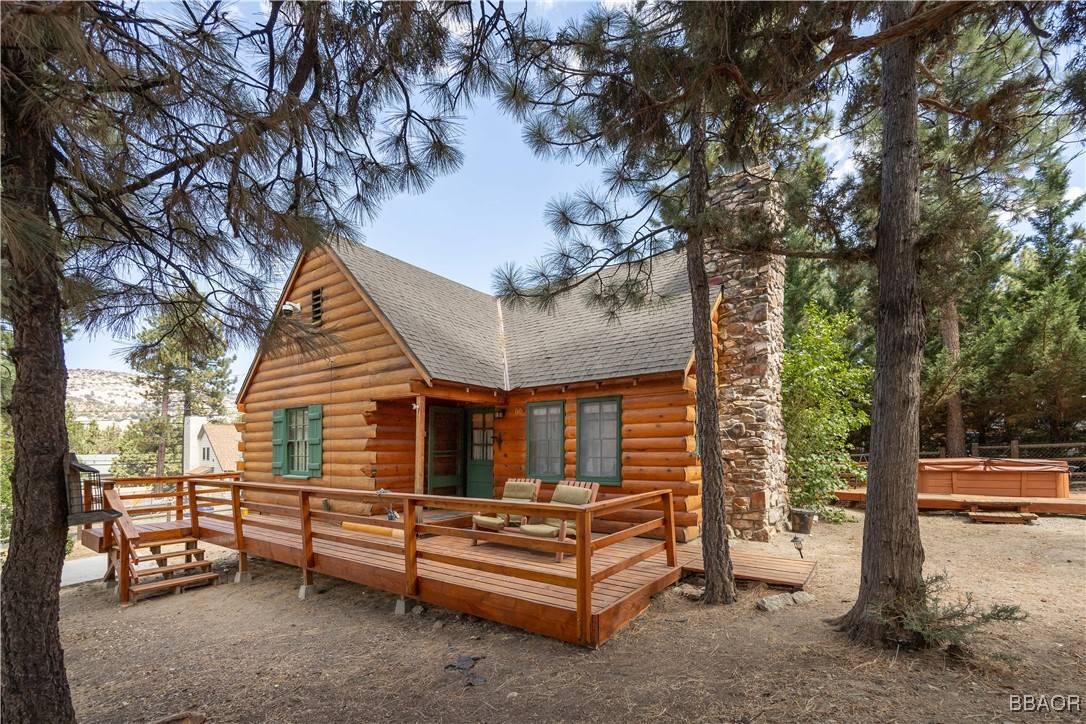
(223, 440)
(452, 329)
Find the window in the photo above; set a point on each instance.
(316, 309)
(297, 443)
(599, 440)
(297, 447)
(546, 440)
(207, 453)
(482, 435)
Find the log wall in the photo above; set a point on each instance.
(368, 440)
(657, 444)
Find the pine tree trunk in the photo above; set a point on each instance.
(955, 420)
(892, 560)
(949, 321)
(164, 412)
(719, 581)
(35, 687)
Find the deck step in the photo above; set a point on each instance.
(167, 542)
(171, 554)
(175, 568)
(177, 582)
(1002, 516)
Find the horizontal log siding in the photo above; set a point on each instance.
(368, 441)
(657, 446)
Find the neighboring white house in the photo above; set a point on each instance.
(208, 445)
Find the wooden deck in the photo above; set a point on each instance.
(605, 580)
(1074, 505)
(539, 606)
(753, 566)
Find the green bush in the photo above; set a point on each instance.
(825, 397)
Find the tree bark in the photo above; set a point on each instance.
(949, 321)
(164, 412)
(35, 687)
(719, 581)
(891, 566)
(955, 420)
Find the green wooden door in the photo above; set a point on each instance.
(445, 462)
(480, 467)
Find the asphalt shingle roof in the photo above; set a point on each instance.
(456, 334)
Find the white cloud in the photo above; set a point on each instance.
(839, 155)
(1073, 193)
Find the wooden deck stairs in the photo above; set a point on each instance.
(157, 558)
(165, 572)
(981, 511)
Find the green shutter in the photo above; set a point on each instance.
(315, 439)
(279, 438)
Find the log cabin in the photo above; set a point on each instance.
(434, 387)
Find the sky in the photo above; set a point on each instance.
(466, 224)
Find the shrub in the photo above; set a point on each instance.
(929, 621)
(825, 397)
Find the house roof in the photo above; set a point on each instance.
(224, 441)
(464, 335)
(452, 329)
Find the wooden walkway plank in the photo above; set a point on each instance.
(774, 570)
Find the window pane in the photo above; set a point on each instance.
(546, 433)
(297, 449)
(597, 439)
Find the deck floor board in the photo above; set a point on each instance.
(542, 607)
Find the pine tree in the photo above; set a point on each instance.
(180, 354)
(638, 89)
(151, 156)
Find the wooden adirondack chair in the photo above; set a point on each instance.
(571, 492)
(524, 489)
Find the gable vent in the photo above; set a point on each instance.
(317, 308)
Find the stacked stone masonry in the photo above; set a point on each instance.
(750, 355)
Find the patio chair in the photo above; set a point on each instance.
(570, 492)
(523, 489)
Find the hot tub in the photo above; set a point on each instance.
(985, 476)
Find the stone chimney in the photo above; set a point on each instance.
(190, 450)
(750, 352)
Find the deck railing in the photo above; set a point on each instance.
(306, 521)
(170, 495)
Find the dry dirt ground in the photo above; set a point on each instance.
(255, 653)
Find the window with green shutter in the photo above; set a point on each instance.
(599, 440)
(297, 441)
(546, 440)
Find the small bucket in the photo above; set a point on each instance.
(803, 520)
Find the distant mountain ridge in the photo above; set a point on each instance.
(107, 395)
(104, 395)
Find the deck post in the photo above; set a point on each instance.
(308, 588)
(194, 512)
(410, 547)
(243, 575)
(305, 512)
(669, 530)
(123, 569)
(179, 498)
(584, 577)
(420, 442)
